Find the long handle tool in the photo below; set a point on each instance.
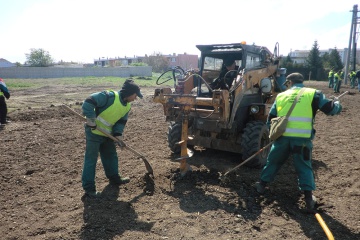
(341, 95)
(138, 154)
(324, 226)
(251, 157)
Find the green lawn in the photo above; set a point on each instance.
(18, 84)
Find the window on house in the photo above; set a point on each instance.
(173, 59)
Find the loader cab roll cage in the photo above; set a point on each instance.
(212, 58)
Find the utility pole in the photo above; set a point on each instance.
(352, 41)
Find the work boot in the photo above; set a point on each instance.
(260, 187)
(6, 122)
(118, 180)
(310, 201)
(93, 194)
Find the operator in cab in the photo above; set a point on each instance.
(227, 75)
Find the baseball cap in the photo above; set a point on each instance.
(295, 77)
(129, 88)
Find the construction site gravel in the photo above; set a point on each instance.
(42, 152)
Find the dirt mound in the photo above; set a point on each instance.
(41, 196)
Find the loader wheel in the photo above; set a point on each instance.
(255, 137)
(174, 136)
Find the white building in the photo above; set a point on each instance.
(300, 56)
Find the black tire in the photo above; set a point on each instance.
(255, 137)
(174, 136)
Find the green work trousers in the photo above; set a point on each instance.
(300, 149)
(108, 155)
(331, 82)
(337, 85)
(352, 82)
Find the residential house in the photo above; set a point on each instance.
(116, 62)
(6, 63)
(185, 61)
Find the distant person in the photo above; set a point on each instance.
(4, 93)
(297, 139)
(358, 79)
(109, 111)
(331, 79)
(352, 77)
(338, 76)
(227, 75)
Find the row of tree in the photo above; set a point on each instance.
(316, 67)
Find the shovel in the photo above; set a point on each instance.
(139, 155)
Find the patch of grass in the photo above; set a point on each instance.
(19, 85)
(82, 81)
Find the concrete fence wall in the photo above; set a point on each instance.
(55, 72)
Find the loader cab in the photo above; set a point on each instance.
(213, 56)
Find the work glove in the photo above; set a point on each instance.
(90, 122)
(120, 141)
(338, 105)
(336, 101)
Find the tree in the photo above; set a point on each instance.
(287, 62)
(39, 58)
(158, 62)
(314, 64)
(325, 59)
(335, 60)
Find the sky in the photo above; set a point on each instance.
(84, 30)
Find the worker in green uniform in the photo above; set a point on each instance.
(337, 81)
(297, 139)
(109, 111)
(357, 76)
(4, 93)
(352, 77)
(331, 78)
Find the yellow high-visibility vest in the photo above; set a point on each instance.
(300, 122)
(106, 119)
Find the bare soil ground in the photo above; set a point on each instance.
(41, 157)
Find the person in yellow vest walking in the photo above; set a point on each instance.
(109, 111)
(297, 139)
(4, 93)
(338, 77)
(352, 77)
(331, 79)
